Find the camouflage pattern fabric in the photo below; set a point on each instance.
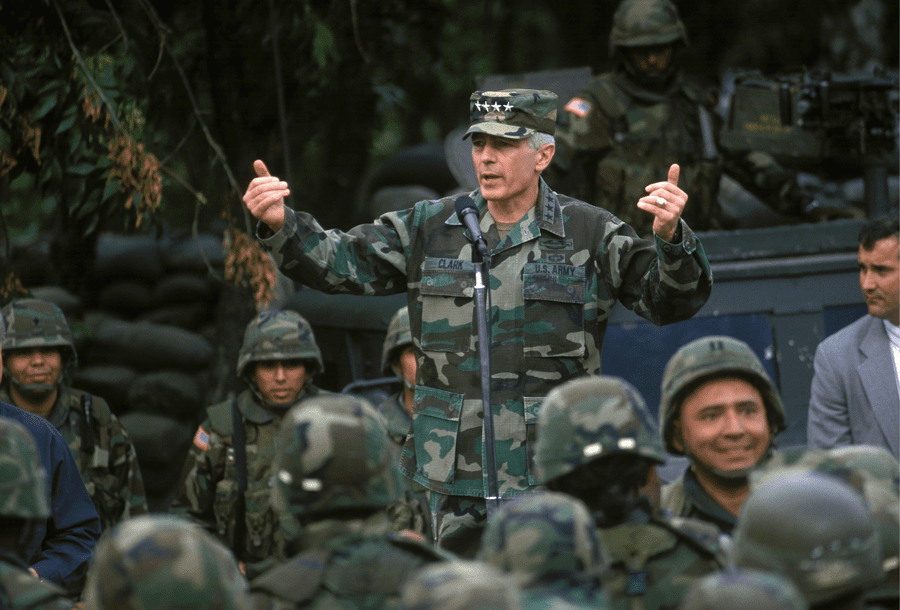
(685, 497)
(396, 417)
(36, 323)
(398, 335)
(279, 335)
(162, 563)
(512, 113)
(20, 590)
(460, 585)
(109, 467)
(23, 481)
(548, 543)
(743, 590)
(554, 281)
(639, 23)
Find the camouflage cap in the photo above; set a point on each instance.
(279, 335)
(161, 562)
(37, 323)
(708, 358)
(334, 452)
(24, 491)
(639, 23)
(398, 335)
(592, 417)
(512, 113)
(459, 585)
(743, 590)
(541, 538)
(812, 528)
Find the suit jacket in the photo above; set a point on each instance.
(854, 390)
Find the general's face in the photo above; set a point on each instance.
(35, 365)
(879, 279)
(722, 423)
(280, 381)
(507, 169)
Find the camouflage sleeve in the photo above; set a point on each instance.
(203, 469)
(124, 465)
(368, 260)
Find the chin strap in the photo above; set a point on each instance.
(731, 475)
(406, 382)
(34, 392)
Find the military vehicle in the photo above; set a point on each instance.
(781, 288)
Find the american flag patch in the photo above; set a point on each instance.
(579, 107)
(201, 439)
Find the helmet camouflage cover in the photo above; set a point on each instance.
(398, 336)
(743, 590)
(279, 335)
(812, 528)
(37, 323)
(638, 23)
(23, 482)
(459, 585)
(711, 357)
(592, 417)
(334, 452)
(159, 562)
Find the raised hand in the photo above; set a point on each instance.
(265, 197)
(666, 202)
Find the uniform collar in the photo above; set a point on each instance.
(60, 411)
(547, 212)
(250, 408)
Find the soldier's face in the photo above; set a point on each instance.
(35, 365)
(508, 170)
(723, 425)
(879, 279)
(407, 364)
(280, 381)
(653, 60)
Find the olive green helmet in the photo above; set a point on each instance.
(708, 358)
(398, 336)
(459, 585)
(812, 528)
(279, 335)
(591, 417)
(639, 23)
(334, 453)
(743, 590)
(23, 482)
(37, 323)
(160, 562)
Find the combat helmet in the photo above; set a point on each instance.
(459, 585)
(37, 323)
(279, 335)
(398, 336)
(638, 23)
(334, 454)
(708, 357)
(161, 562)
(23, 482)
(815, 530)
(743, 590)
(592, 417)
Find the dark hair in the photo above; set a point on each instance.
(879, 228)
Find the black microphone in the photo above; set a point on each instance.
(468, 215)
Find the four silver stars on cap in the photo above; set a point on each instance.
(495, 106)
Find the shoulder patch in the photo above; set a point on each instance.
(201, 439)
(579, 106)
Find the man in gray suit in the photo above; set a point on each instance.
(856, 387)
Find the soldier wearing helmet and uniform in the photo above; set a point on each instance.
(334, 474)
(24, 502)
(597, 441)
(720, 409)
(37, 351)
(743, 590)
(225, 481)
(460, 585)
(398, 357)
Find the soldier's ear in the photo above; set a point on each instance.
(677, 441)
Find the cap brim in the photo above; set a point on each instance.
(513, 132)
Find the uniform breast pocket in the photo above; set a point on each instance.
(554, 310)
(447, 289)
(436, 428)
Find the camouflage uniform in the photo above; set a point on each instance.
(104, 453)
(24, 484)
(553, 282)
(459, 585)
(706, 359)
(161, 562)
(334, 474)
(393, 408)
(743, 590)
(652, 559)
(209, 490)
(548, 543)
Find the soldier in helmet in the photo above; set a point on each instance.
(460, 585)
(335, 472)
(720, 409)
(37, 351)
(628, 124)
(597, 441)
(161, 562)
(398, 357)
(225, 481)
(743, 590)
(815, 530)
(24, 503)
